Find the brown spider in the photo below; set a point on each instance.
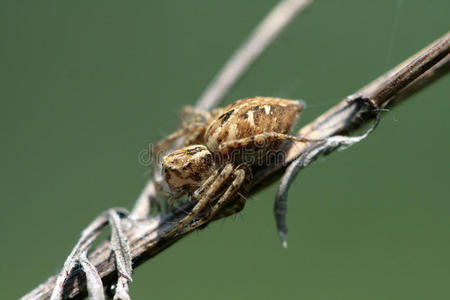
(213, 171)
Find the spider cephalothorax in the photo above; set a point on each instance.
(186, 169)
(214, 171)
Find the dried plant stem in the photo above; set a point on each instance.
(145, 236)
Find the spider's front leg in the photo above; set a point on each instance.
(264, 139)
(204, 195)
(238, 176)
(190, 114)
(170, 140)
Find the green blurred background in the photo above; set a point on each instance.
(85, 85)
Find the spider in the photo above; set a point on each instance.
(212, 172)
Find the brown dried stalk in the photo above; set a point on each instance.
(145, 235)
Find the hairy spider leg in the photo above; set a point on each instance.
(262, 137)
(197, 193)
(168, 141)
(205, 198)
(190, 113)
(239, 177)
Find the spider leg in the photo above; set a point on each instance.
(263, 138)
(168, 141)
(190, 113)
(226, 210)
(196, 137)
(239, 177)
(205, 185)
(172, 199)
(204, 196)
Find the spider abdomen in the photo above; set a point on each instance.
(249, 118)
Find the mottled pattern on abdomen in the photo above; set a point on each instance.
(250, 117)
